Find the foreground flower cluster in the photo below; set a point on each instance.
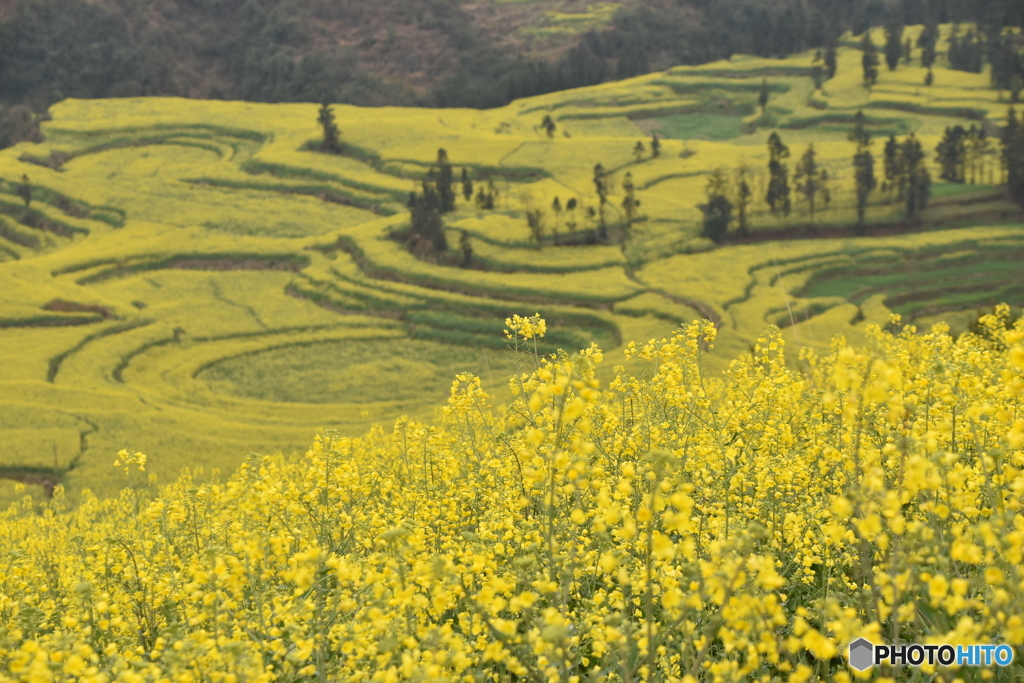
(672, 526)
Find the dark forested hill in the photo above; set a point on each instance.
(429, 52)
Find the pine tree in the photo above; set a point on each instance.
(601, 185)
(718, 209)
(863, 167)
(869, 59)
(548, 124)
(427, 234)
(467, 185)
(926, 41)
(965, 53)
(535, 221)
(445, 182)
(807, 178)
(891, 162)
(655, 146)
(24, 190)
(831, 59)
(332, 135)
(570, 208)
(484, 200)
(762, 97)
(975, 145)
(908, 49)
(630, 203)
(893, 43)
(638, 151)
(1007, 63)
(743, 195)
(778, 184)
(950, 153)
(918, 180)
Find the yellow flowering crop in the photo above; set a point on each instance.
(673, 526)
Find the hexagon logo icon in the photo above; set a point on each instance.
(862, 654)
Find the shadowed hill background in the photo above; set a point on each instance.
(408, 52)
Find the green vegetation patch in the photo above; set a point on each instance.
(363, 371)
(928, 282)
(709, 126)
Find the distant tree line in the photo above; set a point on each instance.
(258, 50)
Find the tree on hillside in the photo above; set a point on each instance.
(1007, 63)
(891, 163)
(978, 148)
(655, 146)
(918, 179)
(327, 123)
(863, 167)
(445, 182)
(950, 154)
(485, 198)
(762, 97)
(556, 208)
(18, 124)
(535, 221)
(638, 151)
(817, 72)
(908, 49)
(1013, 156)
(778, 183)
(427, 235)
(893, 42)
(831, 60)
(743, 195)
(807, 178)
(927, 39)
(629, 203)
(965, 53)
(24, 190)
(548, 124)
(869, 59)
(601, 186)
(718, 209)
(467, 185)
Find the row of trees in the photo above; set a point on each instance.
(906, 180)
(963, 155)
(966, 155)
(966, 52)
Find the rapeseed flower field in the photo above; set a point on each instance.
(184, 269)
(671, 524)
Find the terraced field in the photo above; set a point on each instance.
(192, 282)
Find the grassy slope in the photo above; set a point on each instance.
(231, 289)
